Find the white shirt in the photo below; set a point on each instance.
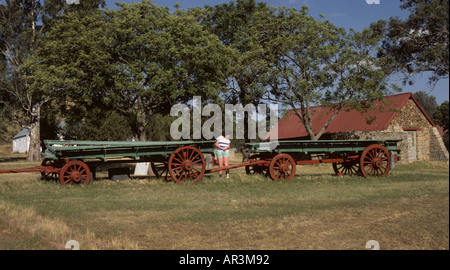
(223, 142)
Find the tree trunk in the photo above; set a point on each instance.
(34, 151)
(304, 120)
(139, 132)
(143, 114)
(142, 133)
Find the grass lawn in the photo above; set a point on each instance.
(408, 210)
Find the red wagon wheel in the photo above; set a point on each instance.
(282, 166)
(75, 172)
(186, 163)
(375, 161)
(350, 167)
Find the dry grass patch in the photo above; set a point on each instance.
(316, 210)
(409, 224)
(52, 233)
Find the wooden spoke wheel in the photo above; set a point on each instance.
(186, 163)
(282, 167)
(160, 169)
(350, 167)
(256, 168)
(375, 161)
(75, 172)
(50, 173)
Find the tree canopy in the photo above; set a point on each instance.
(139, 60)
(232, 23)
(22, 24)
(316, 63)
(420, 43)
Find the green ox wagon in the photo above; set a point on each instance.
(368, 158)
(187, 161)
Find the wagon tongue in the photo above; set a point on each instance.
(31, 169)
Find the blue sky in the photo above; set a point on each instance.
(356, 14)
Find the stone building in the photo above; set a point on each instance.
(399, 117)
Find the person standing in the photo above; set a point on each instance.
(223, 152)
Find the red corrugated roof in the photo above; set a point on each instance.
(290, 125)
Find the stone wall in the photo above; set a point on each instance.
(438, 151)
(423, 144)
(411, 117)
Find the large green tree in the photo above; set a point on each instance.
(318, 63)
(138, 60)
(18, 34)
(22, 24)
(233, 23)
(420, 43)
(170, 58)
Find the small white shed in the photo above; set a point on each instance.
(21, 142)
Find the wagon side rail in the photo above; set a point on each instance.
(320, 146)
(105, 149)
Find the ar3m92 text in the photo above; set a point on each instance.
(227, 260)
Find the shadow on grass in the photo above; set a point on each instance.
(12, 159)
